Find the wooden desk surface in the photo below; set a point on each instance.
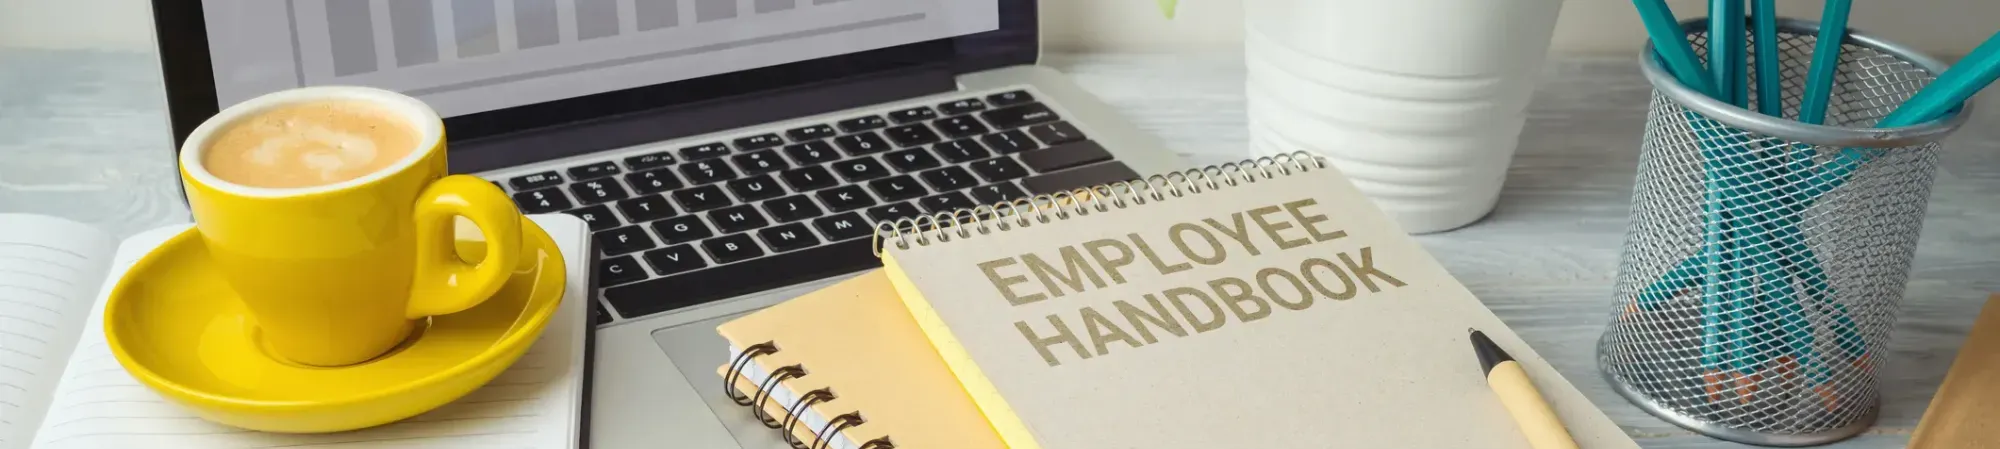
(83, 135)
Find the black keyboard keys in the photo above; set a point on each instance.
(623, 240)
(813, 152)
(732, 220)
(814, 132)
(682, 229)
(911, 160)
(1086, 176)
(892, 212)
(845, 198)
(593, 171)
(860, 144)
(731, 248)
(756, 188)
(758, 142)
(842, 227)
(1009, 98)
(945, 202)
(1064, 156)
(598, 217)
(674, 259)
(619, 270)
(999, 169)
(911, 134)
(649, 161)
(1009, 141)
(541, 201)
(701, 198)
(962, 106)
(674, 292)
(760, 162)
(916, 114)
(956, 127)
(1057, 133)
(705, 172)
(792, 208)
(1019, 116)
(948, 179)
(593, 192)
(653, 181)
(961, 150)
(862, 169)
(859, 124)
(997, 193)
(646, 208)
(808, 178)
(536, 181)
(898, 188)
(787, 237)
(706, 151)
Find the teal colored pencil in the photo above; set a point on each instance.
(1825, 61)
(1726, 51)
(1670, 44)
(1770, 91)
(1951, 89)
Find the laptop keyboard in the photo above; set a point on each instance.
(776, 207)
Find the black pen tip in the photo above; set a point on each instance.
(1489, 354)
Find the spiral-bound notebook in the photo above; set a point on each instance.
(1264, 304)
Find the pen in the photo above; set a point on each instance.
(1538, 422)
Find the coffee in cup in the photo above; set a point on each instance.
(309, 144)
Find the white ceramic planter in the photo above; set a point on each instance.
(1419, 102)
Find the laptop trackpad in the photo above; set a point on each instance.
(696, 350)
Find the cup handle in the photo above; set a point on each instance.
(445, 284)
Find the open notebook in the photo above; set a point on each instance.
(60, 387)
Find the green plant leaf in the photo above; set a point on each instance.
(1167, 7)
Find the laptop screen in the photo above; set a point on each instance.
(470, 56)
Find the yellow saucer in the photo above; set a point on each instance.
(178, 328)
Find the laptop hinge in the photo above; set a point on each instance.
(520, 148)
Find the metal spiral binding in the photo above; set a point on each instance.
(805, 403)
(764, 393)
(1042, 209)
(791, 420)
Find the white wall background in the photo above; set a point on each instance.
(1942, 27)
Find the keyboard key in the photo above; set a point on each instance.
(813, 152)
(962, 106)
(756, 188)
(804, 179)
(911, 134)
(758, 142)
(898, 188)
(731, 248)
(619, 270)
(1057, 133)
(598, 217)
(649, 161)
(674, 259)
(1086, 176)
(1004, 99)
(750, 276)
(946, 202)
(948, 179)
(646, 208)
(623, 240)
(792, 208)
(846, 198)
(859, 124)
(787, 237)
(705, 172)
(999, 169)
(706, 151)
(732, 220)
(961, 150)
(842, 227)
(1064, 156)
(593, 192)
(593, 171)
(701, 198)
(653, 181)
(862, 169)
(1009, 141)
(760, 162)
(997, 193)
(957, 127)
(541, 201)
(860, 144)
(911, 160)
(916, 114)
(814, 132)
(682, 229)
(892, 212)
(1019, 116)
(536, 181)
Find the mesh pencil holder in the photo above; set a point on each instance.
(1765, 258)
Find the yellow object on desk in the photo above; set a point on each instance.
(1965, 413)
(1518, 393)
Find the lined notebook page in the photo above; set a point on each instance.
(49, 270)
(533, 405)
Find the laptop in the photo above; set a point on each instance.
(727, 154)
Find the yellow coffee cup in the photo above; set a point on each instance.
(340, 272)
